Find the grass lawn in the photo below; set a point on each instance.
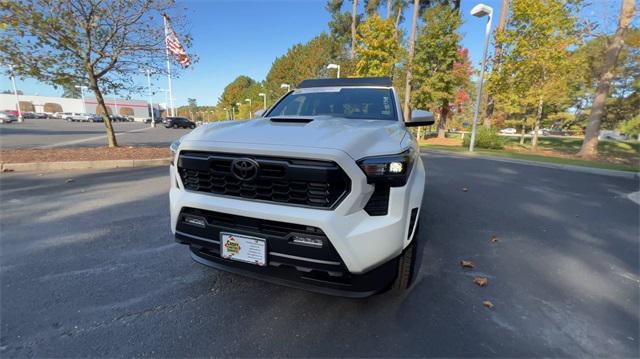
(616, 155)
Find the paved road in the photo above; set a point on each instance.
(58, 133)
(88, 268)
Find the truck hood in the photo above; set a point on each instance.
(358, 138)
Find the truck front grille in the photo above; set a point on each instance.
(311, 183)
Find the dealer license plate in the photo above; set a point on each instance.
(243, 248)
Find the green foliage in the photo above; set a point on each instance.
(340, 23)
(537, 65)
(70, 91)
(237, 91)
(305, 61)
(440, 67)
(624, 100)
(486, 138)
(376, 47)
(631, 126)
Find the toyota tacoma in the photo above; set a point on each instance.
(321, 192)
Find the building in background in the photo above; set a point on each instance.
(138, 109)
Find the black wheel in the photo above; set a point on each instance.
(409, 264)
(175, 126)
(192, 126)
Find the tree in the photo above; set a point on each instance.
(340, 23)
(304, 61)
(409, 69)
(354, 16)
(376, 47)
(589, 145)
(537, 68)
(371, 7)
(70, 91)
(10, 92)
(94, 42)
(441, 68)
(496, 60)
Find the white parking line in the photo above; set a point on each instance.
(89, 139)
(634, 196)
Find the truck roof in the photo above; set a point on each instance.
(349, 81)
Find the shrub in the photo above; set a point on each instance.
(486, 138)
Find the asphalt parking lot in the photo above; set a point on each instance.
(89, 268)
(41, 133)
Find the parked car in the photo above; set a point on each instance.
(6, 117)
(612, 135)
(155, 120)
(118, 118)
(541, 132)
(295, 197)
(509, 131)
(178, 122)
(14, 113)
(81, 117)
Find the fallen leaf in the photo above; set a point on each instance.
(488, 304)
(464, 189)
(481, 281)
(7, 170)
(466, 264)
(494, 239)
(70, 180)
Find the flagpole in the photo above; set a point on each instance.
(166, 48)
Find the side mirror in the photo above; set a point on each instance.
(259, 113)
(420, 118)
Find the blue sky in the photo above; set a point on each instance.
(238, 37)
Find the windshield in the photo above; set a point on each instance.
(354, 103)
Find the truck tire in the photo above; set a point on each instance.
(408, 266)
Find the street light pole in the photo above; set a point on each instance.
(15, 92)
(115, 102)
(285, 86)
(248, 100)
(480, 10)
(84, 105)
(264, 100)
(153, 117)
(238, 106)
(335, 66)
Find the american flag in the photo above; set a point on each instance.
(173, 45)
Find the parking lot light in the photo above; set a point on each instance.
(285, 86)
(15, 92)
(249, 101)
(84, 105)
(480, 10)
(264, 100)
(153, 117)
(334, 66)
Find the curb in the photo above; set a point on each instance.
(80, 165)
(584, 169)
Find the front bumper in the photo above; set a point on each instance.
(367, 246)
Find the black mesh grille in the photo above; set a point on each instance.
(319, 184)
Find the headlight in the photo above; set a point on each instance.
(392, 170)
(174, 151)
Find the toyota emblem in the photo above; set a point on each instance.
(244, 169)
